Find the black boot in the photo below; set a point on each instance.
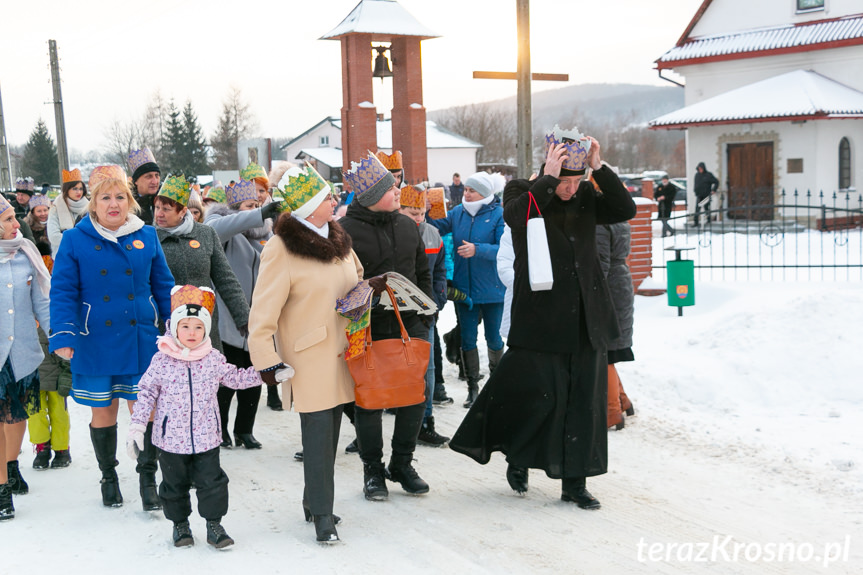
(105, 447)
(216, 535)
(517, 478)
(62, 459)
(183, 534)
(146, 468)
(226, 438)
(247, 440)
(428, 435)
(440, 397)
(325, 529)
(273, 401)
(374, 485)
(15, 482)
(401, 471)
(471, 370)
(451, 346)
(575, 491)
(7, 510)
(43, 455)
(352, 447)
(494, 356)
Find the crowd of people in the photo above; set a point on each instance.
(204, 295)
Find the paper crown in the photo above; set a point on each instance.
(73, 176)
(102, 173)
(191, 295)
(253, 171)
(369, 177)
(25, 184)
(412, 197)
(577, 147)
(140, 157)
(39, 200)
(299, 186)
(392, 162)
(217, 195)
(240, 192)
(176, 188)
(4, 204)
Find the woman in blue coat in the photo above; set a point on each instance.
(477, 225)
(111, 286)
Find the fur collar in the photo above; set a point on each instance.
(300, 240)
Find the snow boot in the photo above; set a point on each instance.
(43, 456)
(325, 529)
(62, 459)
(216, 535)
(470, 359)
(440, 397)
(352, 447)
(15, 482)
(401, 471)
(374, 486)
(625, 403)
(183, 534)
(494, 356)
(146, 468)
(575, 491)
(105, 447)
(7, 510)
(517, 478)
(428, 435)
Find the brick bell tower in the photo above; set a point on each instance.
(381, 22)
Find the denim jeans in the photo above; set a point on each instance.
(492, 314)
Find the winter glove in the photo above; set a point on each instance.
(378, 284)
(270, 210)
(269, 375)
(458, 296)
(243, 329)
(135, 440)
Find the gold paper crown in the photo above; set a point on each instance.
(217, 194)
(577, 147)
(39, 200)
(140, 157)
(176, 188)
(301, 187)
(191, 295)
(102, 173)
(241, 191)
(253, 171)
(412, 197)
(392, 162)
(73, 176)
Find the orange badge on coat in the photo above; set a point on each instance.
(195, 244)
(138, 244)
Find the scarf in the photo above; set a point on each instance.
(473, 207)
(185, 227)
(133, 224)
(69, 210)
(8, 250)
(168, 345)
(323, 231)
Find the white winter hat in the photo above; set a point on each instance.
(481, 183)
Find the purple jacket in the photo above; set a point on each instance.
(184, 393)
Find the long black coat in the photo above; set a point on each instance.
(389, 242)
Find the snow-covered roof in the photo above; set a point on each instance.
(329, 156)
(834, 33)
(382, 18)
(797, 95)
(436, 136)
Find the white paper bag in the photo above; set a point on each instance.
(538, 256)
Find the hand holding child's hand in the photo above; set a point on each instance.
(135, 440)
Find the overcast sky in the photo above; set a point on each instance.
(115, 54)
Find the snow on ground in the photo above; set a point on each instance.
(747, 432)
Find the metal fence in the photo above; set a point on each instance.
(802, 236)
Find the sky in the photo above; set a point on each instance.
(115, 55)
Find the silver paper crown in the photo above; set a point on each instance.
(577, 147)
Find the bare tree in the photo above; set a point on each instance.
(235, 123)
(490, 125)
(121, 138)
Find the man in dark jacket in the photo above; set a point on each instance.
(705, 184)
(384, 241)
(545, 406)
(664, 196)
(456, 190)
(146, 179)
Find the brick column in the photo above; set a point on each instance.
(647, 188)
(409, 123)
(359, 132)
(641, 252)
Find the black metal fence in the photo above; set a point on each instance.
(802, 236)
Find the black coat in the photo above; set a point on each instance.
(548, 320)
(667, 193)
(389, 242)
(705, 183)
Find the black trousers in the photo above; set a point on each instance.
(320, 430)
(179, 471)
(247, 399)
(438, 358)
(370, 438)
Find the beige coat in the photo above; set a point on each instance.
(294, 304)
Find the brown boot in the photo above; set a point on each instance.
(625, 403)
(615, 416)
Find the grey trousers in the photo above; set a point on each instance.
(320, 430)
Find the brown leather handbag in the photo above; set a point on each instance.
(390, 372)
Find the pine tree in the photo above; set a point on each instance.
(196, 157)
(40, 156)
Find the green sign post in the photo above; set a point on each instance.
(681, 281)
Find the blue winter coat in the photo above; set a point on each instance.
(476, 276)
(107, 299)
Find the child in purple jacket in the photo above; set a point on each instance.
(181, 383)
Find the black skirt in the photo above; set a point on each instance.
(19, 399)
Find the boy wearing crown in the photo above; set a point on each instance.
(545, 407)
(181, 384)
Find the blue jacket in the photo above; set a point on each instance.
(107, 298)
(476, 276)
(21, 299)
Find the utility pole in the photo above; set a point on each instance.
(62, 154)
(523, 101)
(5, 163)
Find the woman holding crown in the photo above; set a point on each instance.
(68, 209)
(110, 288)
(305, 268)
